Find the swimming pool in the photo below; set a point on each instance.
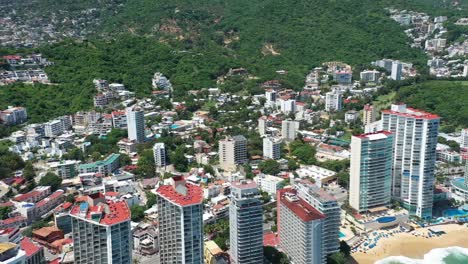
(174, 126)
(454, 212)
(342, 235)
(386, 219)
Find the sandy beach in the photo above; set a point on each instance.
(408, 245)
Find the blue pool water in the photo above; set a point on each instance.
(342, 235)
(454, 212)
(174, 126)
(386, 219)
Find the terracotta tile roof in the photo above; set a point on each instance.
(300, 208)
(46, 231)
(29, 247)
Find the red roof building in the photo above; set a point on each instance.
(34, 253)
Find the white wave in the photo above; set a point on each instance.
(435, 256)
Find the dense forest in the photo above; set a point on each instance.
(445, 98)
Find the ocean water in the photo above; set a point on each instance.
(450, 255)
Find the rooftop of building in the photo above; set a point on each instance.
(110, 159)
(375, 135)
(108, 213)
(36, 191)
(299, 207)
(29, 247)
(214, 249)
(51, 197)
(244, 185)
(317, 192)
(46, 231)
(403, 110)
(5, 246)
(181, 193)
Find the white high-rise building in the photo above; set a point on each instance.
(289, 129)
(101, 231)
(326, 204)
(272, 148)
(288, 106)
(136, 124)
(397, 68)
(371, 171)
(262, 125)
(333, 101)
(180, 217)
(246, 225)
(270, 95)
(53, 128)
(300, 229)
(415, 140)
(464, 138)
(159, 153)
(232, 152)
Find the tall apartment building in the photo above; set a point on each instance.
(180, 217)
(369, 115)
(232, 152)
(415, 140)
(397, 71)
(300, 229)
(271, 148)
(326, 204)
(333, 101)
(136, 124)
(464, 138)
(262, 125)
(371, 171)
(13, 116)
(271, 96)
(11, 253)
(101, 231)
(288, 106)
(246, 225)
(289, 130)
(53, 128)
(159, 153)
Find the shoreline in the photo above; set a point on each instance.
(408, 245)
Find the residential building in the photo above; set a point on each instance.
(245, 222)
(369, 115)
(300, 229)
(232, 152)
(333, 101)
(326, 204)
(370, 76)
(351, 116)
(34, 253)
(271, 96)
(415, 140)
(397, 71)
(180, 211)
(464, 138)
(119, 119)
(104, 167)
(213, 254)
(371, 171)
(262, 125)
(136, 124)
(11, 253)
(269, 183)
(101, 231)
(159, 153)
(53, 128)
(146, 239)
(272, 148)
(343, 76)
(13, 116)
(33, 196)
(288, 106)
(66, 168)
(288, 130)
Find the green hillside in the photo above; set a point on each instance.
(195, 42)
